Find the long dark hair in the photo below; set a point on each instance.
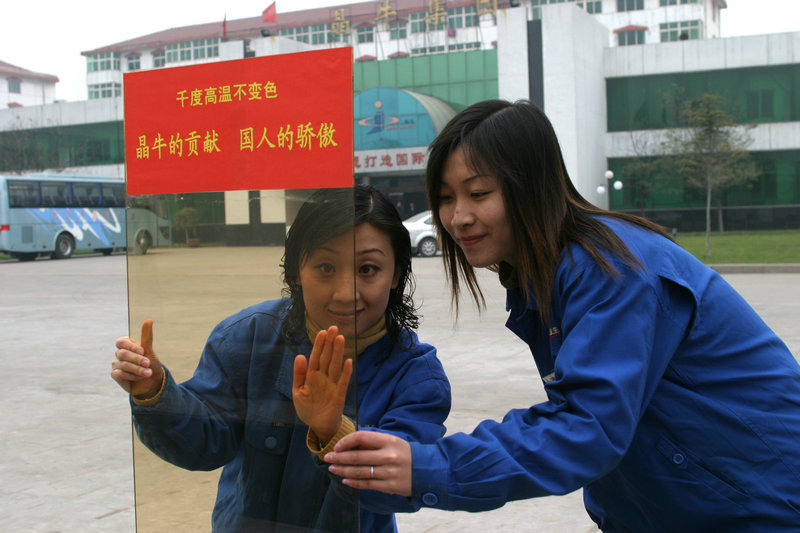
(516, 143)
(327, 214)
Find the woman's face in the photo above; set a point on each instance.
(346, 285)
(473, 212)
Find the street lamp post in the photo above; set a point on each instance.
(606, 187)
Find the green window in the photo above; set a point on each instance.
(418, 22)
(159, 59)
(365, 34)
(681, 31)
(760, 104)
(134, 62)
(630, 5)
(592, 7)
(104, 61)
(462, 17)
(104, 90)
(757, 94)
(398, 30)
(630, 37)
(318, 33)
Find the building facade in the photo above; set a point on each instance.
(21, 87)
(416, 63)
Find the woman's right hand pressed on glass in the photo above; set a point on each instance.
(320, 384)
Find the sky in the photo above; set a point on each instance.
(48, 36)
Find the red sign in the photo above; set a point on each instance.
(273, 122)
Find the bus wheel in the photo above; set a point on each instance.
(143, 242)
(106, 251)
(65, 245)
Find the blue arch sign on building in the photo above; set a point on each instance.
(392, 128)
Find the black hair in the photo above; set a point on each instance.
(329, 213)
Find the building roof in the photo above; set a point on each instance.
(355, 13)
(7, 69)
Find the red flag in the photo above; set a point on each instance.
(270, 14)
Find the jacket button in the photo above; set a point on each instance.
(678, 458)
(270, 442)
(430, 498)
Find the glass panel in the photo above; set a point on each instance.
(55, 194)
(86, 194)
(230, 433)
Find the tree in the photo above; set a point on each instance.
(186, 220)
(27, 149)
(644, 173)
(710, 152)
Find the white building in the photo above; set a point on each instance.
(568, 58)
(388, 29)
(21, 87)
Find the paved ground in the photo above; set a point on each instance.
(67, 444)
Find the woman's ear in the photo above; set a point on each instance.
(396, 278)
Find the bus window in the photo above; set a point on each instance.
(55, 194)
(113, 195)
(85, 194)
(24, 194)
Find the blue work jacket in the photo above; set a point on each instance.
(236, 412)
(669, 400)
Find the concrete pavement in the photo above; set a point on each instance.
(65, 424)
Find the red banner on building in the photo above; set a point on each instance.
(273, 122)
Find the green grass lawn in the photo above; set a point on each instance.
(745, 246)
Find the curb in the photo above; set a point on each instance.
(757, 268)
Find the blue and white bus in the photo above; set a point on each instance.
(57, 214)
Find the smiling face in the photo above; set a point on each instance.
(349, 286)
(473, 212)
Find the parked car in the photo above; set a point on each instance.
(420, 227)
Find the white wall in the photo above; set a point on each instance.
(765, 137)
(710, 54)
(512, 54)
(62, 114)
(274, 45)
(33, 92)
(574, 92)
(653, 15)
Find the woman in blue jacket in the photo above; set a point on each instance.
(346, 268)
(670, 401)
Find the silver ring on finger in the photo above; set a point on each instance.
(372, 472)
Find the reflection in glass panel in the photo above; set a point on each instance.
(203, 258)
(227, 446)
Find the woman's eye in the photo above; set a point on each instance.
(478, 194)
(443, 198)
(326, 268)
(367, 269)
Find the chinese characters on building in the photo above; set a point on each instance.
(390, 160)
(340, 25)
(436, 15)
